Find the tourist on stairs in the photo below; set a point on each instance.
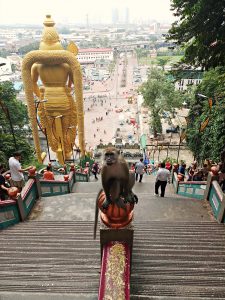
(162, 177)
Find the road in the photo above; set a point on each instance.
(100, 104)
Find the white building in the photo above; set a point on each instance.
(90, 55)
(6, 68)
(184, 83)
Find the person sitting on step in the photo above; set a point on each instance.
(48, 174)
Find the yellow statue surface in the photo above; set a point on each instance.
(60, 114)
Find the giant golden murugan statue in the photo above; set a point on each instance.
(60, 115)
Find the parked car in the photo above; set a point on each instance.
(127, 154)
(165, 114)
(172, 129)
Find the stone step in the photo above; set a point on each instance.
(87, 187)
(81, 207)
(46, 296)
(171, 260)
(94, 186)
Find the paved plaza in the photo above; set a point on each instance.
(102, 102)
(102, 120)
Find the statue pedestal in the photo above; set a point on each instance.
(124, 234)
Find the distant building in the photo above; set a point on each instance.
(190, 77)
(5, 69)
(90, 55)
(184, 83)
(102, 63)
(115, 15)
(127, 16)
(15, 60)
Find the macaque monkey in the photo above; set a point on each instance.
(116, 180)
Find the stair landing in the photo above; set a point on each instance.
(80, 205)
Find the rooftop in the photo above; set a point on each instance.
(95, 50)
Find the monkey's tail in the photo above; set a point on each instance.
(96, 213)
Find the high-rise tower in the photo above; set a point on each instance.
(115, 15)
(127, 16)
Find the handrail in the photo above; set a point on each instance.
(4, 203)
(14, 211)
(191, 189)
(217, 201)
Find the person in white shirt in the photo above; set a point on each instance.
(162, 177)
(17, 178)
(139, 170)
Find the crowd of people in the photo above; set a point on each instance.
(145, 166)
(193, 172)
(200, 173)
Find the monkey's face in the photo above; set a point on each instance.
(111, 156)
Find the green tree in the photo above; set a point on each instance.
(25, 49)
(8, 148)
(64, 30)
(3, 158)
(162, 62)
(159, 94)
(105, 42)
(210, 142)
(200, 30)
(4, 53)
(140, 52)
(17, 110)
(18, 115)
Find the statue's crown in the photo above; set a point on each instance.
(50, 38)
(48, 21)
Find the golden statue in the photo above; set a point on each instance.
(60, 115)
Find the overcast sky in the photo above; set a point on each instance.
(74, 11)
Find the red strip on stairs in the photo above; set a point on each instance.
(115, 272)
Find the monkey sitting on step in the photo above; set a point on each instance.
(117, 182)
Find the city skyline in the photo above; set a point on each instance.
(70, 11)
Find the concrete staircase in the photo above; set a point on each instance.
(43, 259)
(179, 250)
(174, 260)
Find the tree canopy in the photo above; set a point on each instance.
(25, 49)
(159, 95)
(210, 142)
(17, 110)
(162, 61)
(200, 29)
(18, 115)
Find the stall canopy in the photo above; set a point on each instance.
(132, 121)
